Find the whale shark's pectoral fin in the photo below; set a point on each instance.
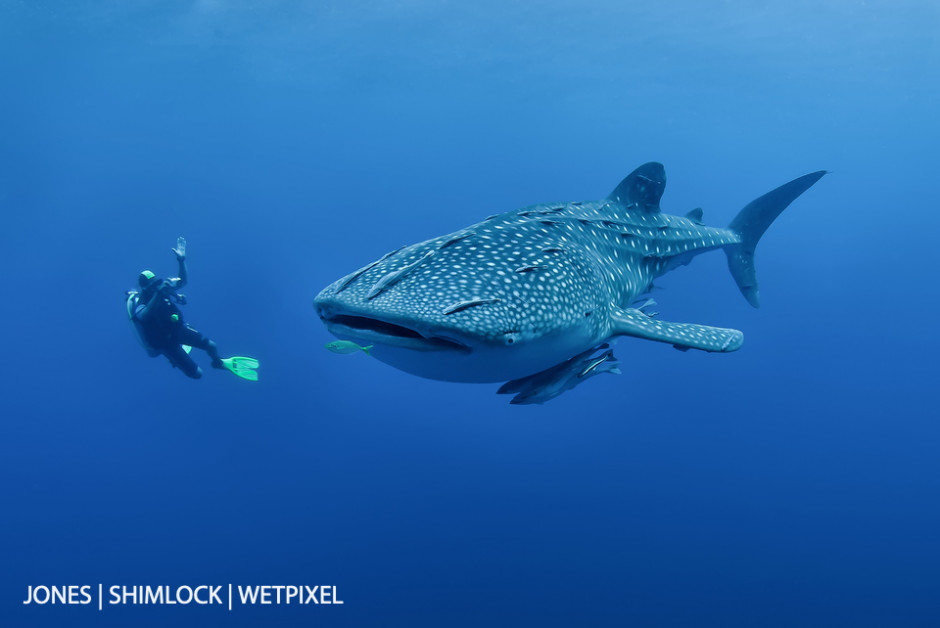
(684, 336)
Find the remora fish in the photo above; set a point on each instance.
(531, 290)
(345, 347)
(550, 383)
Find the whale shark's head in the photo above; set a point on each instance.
(497, 301)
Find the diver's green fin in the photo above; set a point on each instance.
(242, 366)
(241, 362)
(186, 348)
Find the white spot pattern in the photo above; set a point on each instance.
(529, 272)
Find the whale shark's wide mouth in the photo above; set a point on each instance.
(377, 331)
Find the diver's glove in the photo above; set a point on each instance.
(180, 250)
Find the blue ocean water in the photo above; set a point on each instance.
(794, 482)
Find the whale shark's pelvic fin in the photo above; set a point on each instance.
(642, 188)
(684, 336)
(751, 223)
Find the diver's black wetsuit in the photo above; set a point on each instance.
(164, 330)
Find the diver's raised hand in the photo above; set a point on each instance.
(180, 250)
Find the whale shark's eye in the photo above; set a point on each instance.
(511, 337)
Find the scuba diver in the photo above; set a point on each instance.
(161, 330)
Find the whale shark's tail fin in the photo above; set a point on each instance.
(751, 223)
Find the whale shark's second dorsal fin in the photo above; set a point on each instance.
(642, 188)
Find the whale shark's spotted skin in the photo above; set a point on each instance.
(535, 262)
(525, 291)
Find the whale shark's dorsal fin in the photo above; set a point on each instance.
(696, 216)
(642, 188)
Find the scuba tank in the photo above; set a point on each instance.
(133, 298)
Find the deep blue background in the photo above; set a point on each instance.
(795, 482)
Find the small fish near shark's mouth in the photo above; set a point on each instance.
(378, 331)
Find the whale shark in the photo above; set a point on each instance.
(534, 297)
